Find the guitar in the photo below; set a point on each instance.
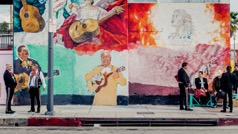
(102, 81)
(23, 78)
(80, 32)
(31, 20)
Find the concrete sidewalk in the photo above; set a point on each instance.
(85, 115)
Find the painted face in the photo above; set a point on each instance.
(24, 53)
(106, 59)
(177, 19)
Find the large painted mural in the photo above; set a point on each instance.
(162, 36)
(115, 53)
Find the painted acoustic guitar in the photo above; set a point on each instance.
(31, 20)
(22, 79)
(96, 87)
(80, 32)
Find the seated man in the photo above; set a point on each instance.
(216, 86)
(202, 85)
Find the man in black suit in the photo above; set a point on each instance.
(201, 84)
(228, 82)
(10, 83)
(236, 73)
(183, 82)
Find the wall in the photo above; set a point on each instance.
(5, 57)
(149, 40)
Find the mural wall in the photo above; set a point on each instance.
(115, 53)
(161, 38)
(5, 58)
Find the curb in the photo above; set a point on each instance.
(14, 122)
(54, 122)
(117, 122)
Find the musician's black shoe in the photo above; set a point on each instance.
(38, 111)
(188, 109)
(182, 108)
(223, 111)
(31, 111)
(10, 112)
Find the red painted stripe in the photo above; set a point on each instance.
(228, 121)
(54, 122)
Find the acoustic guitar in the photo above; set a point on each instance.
(31, 20)
(80, 32)
(99, 84)
(23, 78)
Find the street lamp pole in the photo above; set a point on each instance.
(234, 37)
(50, 96)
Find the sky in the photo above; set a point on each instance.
(234, 5)
(234, 8)
(4, 13)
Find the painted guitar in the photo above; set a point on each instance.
(22, 79)
(96, 87)
(80, 32)
(31, 20)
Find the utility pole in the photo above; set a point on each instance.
(11, 18)
(234, 37)
(50, 96)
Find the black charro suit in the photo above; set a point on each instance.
(10, 85)
(198, 85)
(228, 82)
(183, 81)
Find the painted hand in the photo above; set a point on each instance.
(119, 9)
(115, 75)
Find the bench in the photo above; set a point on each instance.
(193, 99)
(209, 103)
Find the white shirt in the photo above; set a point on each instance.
(32, 83)
(202, 82)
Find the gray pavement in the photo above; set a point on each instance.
(130, 111)
(150, 115)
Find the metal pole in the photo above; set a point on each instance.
(234, 37)
(50, 97)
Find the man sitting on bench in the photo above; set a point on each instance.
(202, 85)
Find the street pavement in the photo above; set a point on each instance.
(130, 112)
